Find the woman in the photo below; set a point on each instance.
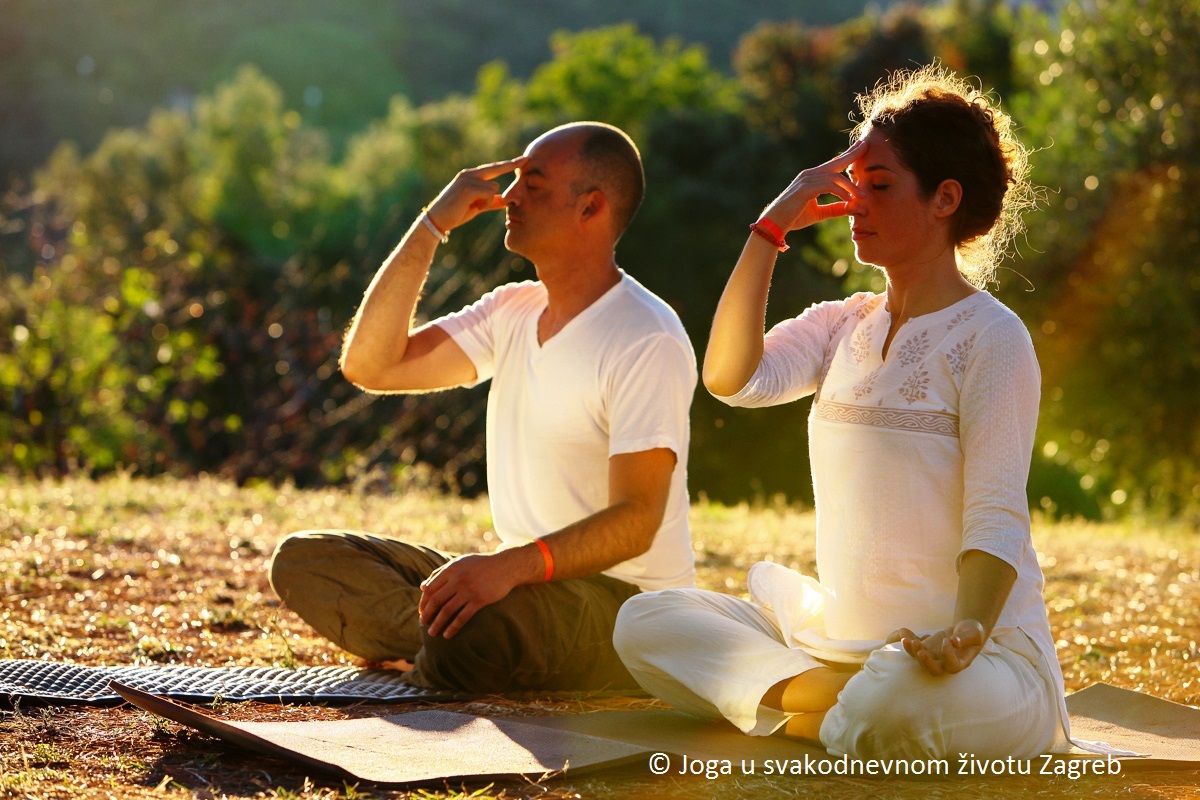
(927, 635)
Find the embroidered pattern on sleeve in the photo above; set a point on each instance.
(837, 326)
(826, 364)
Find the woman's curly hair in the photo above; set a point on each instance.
(943, 127)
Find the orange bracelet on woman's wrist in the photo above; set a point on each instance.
(768, 230)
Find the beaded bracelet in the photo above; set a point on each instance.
(768, 230)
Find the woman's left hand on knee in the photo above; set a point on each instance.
(944, 652)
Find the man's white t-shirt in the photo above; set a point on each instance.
(618, 378)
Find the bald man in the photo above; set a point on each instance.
(587, 436)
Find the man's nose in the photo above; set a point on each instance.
(509, 195)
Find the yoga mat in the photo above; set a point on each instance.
(678, 734)
(421, 747)
(49, 683)
(433, 746)
(1169, 733)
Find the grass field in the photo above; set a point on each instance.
(126, 571)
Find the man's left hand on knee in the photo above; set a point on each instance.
(457, 590)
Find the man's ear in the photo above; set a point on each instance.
(597, 203)
(946, 198)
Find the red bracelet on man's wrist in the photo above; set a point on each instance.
(768, 230)
(547, 558)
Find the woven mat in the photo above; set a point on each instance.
(48, 683)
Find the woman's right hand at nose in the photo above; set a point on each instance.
(797, 207)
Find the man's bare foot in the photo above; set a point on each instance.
(397, 665)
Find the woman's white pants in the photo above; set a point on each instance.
(715, 655)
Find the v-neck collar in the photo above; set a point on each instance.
(956, 307)
(924, 320)
(591, 310)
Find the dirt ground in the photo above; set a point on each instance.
(127, 571)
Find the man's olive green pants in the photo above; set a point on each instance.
(361, 591)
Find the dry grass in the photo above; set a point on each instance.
(126, 571)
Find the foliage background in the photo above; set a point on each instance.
(196, 195)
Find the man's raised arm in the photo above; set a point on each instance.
(381, 352)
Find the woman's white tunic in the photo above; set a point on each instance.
(917, 457)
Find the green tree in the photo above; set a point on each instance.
(185, 235)
(614, 75)
(66, 387)
(784, 69)
(215, 257)
(1111, 89)
(975, 37)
